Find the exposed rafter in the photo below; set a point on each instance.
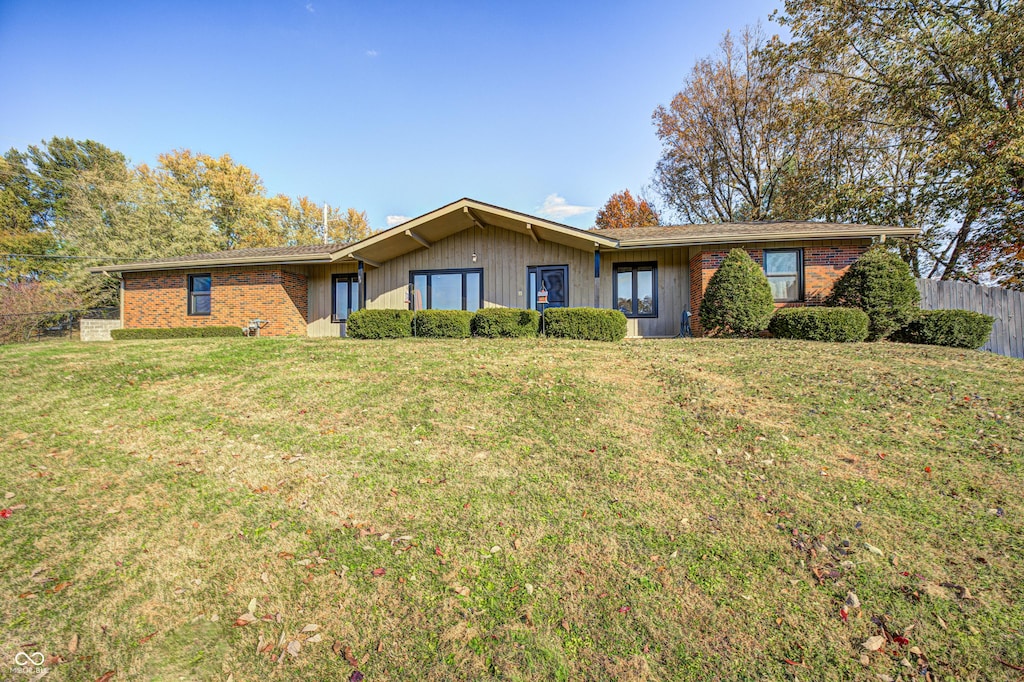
(371, 263)
(472, 216)
(416, 237)
(532, 232)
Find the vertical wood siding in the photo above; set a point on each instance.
(504, 257)
(319, 280)
(673, 288)
(1004, 305)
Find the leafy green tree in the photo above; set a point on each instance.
(880, 284)
(950, 74)
(738, 300)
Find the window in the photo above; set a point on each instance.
(344, 296)
(785, 271)
(198, 294)
(446, 289)
(635, 289)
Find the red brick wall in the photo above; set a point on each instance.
(823, 265)
(237, 295)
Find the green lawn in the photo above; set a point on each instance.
(515, 510)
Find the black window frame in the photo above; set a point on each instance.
(634, 268)
(799, 272)
(350, 277)
(192, 296)
(427, 304)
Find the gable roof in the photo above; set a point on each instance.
(425, 230)
(723, 233)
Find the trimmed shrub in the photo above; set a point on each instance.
(820, 324)
(738, 300)
(591, 324)
(379, 324)
(494, 323)
(956, 328)
(879, 283)
(442, 324)
(175, 333)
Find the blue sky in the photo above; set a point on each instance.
(393, 108)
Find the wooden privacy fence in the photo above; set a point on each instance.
(1004, 305)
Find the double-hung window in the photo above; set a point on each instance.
(199, 294)
(344, 296)
(785, 271)
(446, 289)
(635, 289)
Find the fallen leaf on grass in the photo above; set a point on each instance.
(147, 637)
(378, 572)
(294, 647)
(356, 676)
(337, 647)
(623, 609)
(874, 643)
(314, 639)
(461, 590)
(244, 619)
(252, 605)
(107, 676)
(350, 657)
(73, 644)
(961, 590)
(874, 550)
(380, 645)
(312, 627)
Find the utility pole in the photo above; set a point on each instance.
(325, 223)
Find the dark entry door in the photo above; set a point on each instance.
(555, 280)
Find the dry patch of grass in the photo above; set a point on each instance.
(512, 509)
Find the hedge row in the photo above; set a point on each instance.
(570, 323)
(592, 324)
(494, 323)
(175, 333)
(956, 328)
(820, 324)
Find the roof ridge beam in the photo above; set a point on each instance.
(472, 216)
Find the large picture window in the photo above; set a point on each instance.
(785, 271)
(344, 296)
(635, 289)
(446, 289)
(198, 294)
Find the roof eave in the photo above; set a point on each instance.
(788, 236)
(215, 263)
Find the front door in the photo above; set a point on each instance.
(552, 279)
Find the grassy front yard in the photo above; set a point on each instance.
(525, 510)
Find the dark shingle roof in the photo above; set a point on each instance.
(754, 230)
(269, 252)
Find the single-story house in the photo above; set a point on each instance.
(469, 255)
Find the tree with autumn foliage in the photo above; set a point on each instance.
(623, 210)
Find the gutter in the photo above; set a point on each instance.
(789, 236)
(324, 259)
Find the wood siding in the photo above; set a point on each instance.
(504, 257)
(673, 288)
(319, 279)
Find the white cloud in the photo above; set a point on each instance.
(372, 53)
(394, 220)
(557, 208)
(309, 7)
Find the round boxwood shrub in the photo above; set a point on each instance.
(493, 323)
(380, 324)
(738, 300)
(879, 283)
(820, 324)
(175, 333)
(956, 328)
(442, 324)
(591, 324)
